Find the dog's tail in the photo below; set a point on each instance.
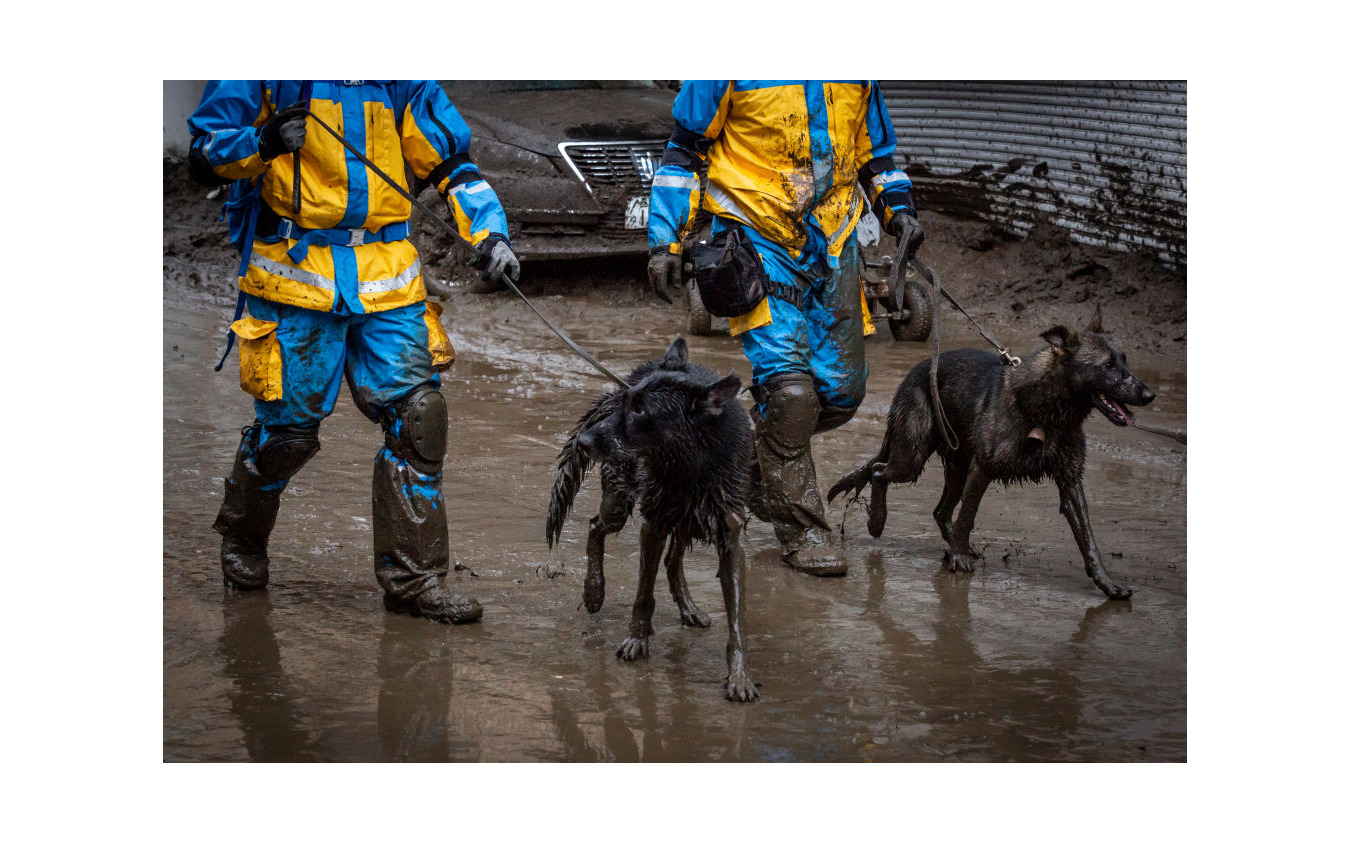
(909, 428)
(573, 464)
(854, 481)
(860, 477)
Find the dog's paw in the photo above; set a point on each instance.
(960, 560)
(692, 616)
(634, 647)
(740, 688)
(1116, 591)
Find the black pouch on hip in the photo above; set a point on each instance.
(730, 278)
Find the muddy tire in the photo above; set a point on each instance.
(920, 321)
(700, 321)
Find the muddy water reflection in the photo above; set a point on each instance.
(897, 661)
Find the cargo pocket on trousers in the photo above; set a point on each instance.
(259, 358)
(438, 342)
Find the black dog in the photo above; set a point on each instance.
(677, 443)
(1013, 424)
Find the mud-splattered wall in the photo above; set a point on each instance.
(1104, 160)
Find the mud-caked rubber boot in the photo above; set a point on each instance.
(412, 536)
(791, 411)
(817, 555)
(267, 459)
(247, 516)
(437, 604)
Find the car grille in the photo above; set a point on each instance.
(628, 165)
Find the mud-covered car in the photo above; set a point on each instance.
(572, 161)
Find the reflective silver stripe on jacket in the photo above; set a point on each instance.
(469, 187)
(383, 285)
(892, 176)
(267, 265)
(717, 195)
(669, 180)
(852, 207)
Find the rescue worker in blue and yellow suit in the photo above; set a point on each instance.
(792, 163)
(334, 289)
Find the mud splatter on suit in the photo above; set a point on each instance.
(334, 290)
(793, 163)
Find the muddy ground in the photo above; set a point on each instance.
(898, 661)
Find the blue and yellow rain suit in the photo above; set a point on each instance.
(334, 285)
(793, 163)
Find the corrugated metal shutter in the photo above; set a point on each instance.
(1104, 160)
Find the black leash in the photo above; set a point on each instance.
(306, 91)
(1009, 359)
(451, 230)
(935, 335)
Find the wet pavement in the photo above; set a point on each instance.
(898, 661)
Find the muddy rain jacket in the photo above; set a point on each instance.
(348, 245)
(789, 158)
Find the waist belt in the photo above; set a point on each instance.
(305, 238)
(786, 292)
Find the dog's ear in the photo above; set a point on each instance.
(717, 395)
(677, 354)
(1096, 325)
(1061, 339)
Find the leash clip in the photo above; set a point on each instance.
(1009, 359)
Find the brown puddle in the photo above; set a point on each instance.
(898, 661)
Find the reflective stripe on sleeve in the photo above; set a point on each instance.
(888, 178)
(469, 187)
(672, 181)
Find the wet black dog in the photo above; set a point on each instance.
(677, 443)
(1013, 424)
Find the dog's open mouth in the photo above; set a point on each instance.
(1113, 410)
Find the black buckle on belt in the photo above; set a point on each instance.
(785, 293)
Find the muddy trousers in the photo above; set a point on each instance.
(411, 533)
(294, 367)
(809, 375)
(265, 462)
(412, 538)
(784, 472)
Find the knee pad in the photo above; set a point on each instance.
(832, 417)
(794, 392)
(283, 449)
(416, 428)
(790, 409)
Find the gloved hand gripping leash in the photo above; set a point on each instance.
(931, 276)
(451, 230)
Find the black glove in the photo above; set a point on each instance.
(284, 133)
(665, 271)
(903, 225)
(496, 259)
